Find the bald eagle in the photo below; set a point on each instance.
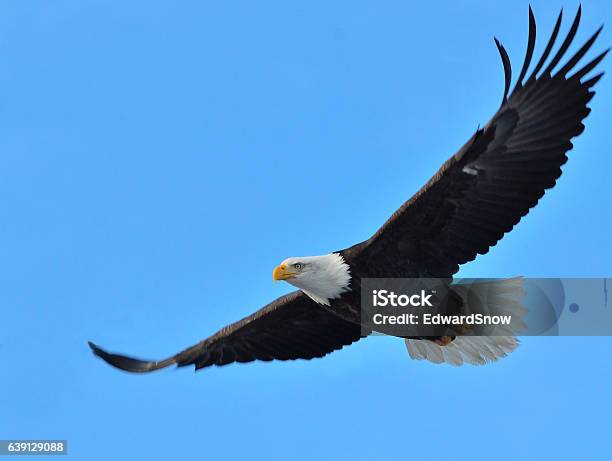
(478, 195)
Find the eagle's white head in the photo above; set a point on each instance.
(323, 278)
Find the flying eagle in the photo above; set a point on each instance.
(477, 196)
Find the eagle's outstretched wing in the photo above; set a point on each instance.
(483, 190)
(291, 327)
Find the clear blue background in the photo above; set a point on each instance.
(158, 159)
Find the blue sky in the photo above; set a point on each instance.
(159, 159)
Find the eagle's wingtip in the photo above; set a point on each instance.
(130, 364)
(99, 352)
(95, 349)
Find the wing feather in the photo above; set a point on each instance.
(530, 47)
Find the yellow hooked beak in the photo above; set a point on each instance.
(282, 272)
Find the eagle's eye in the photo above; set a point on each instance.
(298, 266)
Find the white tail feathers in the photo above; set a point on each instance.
(475, 350)
(501, 297)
